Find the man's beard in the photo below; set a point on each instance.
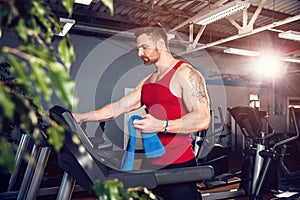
(148, 61)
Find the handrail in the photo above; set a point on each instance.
(292, 111)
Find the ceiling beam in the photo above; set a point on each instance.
(269, 13)
(202, 12)
(90, 12)
(151, 7)
(234, 37)
(252, 9)
(199, 34)
(247, 27)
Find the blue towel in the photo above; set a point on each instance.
(151, 143)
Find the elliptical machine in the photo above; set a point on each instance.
(262, 176)
(258, 175)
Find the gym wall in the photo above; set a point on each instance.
(104, 67)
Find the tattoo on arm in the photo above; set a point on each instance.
(198, 87)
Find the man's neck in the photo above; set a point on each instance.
(166, 62)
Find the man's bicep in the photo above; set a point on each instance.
(131, 101)
(198, 87)
(194, 90)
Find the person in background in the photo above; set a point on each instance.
(177, 105)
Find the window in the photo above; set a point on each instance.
(254, 101)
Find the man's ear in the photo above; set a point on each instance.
(161, 45)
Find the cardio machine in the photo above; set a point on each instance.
(265, 148)
(290, 177)
(258, 175)
(84, 163)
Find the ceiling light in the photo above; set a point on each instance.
(222, 12)
(85, 2)
(242, 52)
(67, 24)
(291, 59)
(290, 35)
(268, 65)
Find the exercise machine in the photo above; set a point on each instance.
(290, 177)
(263, 174)
(35, 177)
(85, 163)
(26, 178)
(258, 175)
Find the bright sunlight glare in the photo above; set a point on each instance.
(269, 66)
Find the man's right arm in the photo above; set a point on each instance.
(130, 102)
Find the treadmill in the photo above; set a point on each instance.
(84, 163)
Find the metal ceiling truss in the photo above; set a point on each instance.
(132, 14)
(245, 30)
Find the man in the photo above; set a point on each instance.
(177, 105)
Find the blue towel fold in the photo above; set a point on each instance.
(151, 143)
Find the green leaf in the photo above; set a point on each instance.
(42, 80)
(56, 136)
(99, 188)
(63, 84)
(6, 104)
(42, 15)
(7, 157)
(66, 52)
(114, 189)
(110, 5)
(109, 189)
(20, 71)
(22, 30)
(68, 4)
(39, 10)
(44, 55)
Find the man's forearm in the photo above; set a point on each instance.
(105, 113)
(191, 122)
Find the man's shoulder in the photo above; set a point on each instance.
(186, 68)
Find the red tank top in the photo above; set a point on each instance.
(162, 104)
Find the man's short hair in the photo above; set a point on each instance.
(154, 29)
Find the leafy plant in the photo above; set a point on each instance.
(39, 71)
(114, 190)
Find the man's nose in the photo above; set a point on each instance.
(140, 52)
